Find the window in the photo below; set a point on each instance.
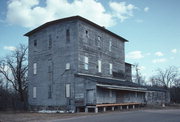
(50, 42)
(99, 65)
(110, 68)
(86, 61)
(87, 34)
(35, 68)
(49, 92)
(99, 41)
(34, 92)
(67, 36)
(67, 90)
(67, 66)
(110, 45)
(35, 43)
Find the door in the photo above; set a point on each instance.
(90, 97)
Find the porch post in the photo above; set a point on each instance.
(133, 106)
(127, 106)
(113, 108)
(86, 109)
(104, 109)
(96, 109)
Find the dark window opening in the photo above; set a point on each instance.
(49, 92)
(67, 36)
(35, 43)
(87, 34)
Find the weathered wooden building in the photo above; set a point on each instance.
(75, 64)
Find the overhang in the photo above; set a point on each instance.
(126, 88)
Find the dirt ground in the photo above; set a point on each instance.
(35, 117)
(44, 117)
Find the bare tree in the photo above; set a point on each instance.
(165, 78)
(138, 78)
(14, 69)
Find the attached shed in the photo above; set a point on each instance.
(111, 92)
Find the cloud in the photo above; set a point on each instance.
(161, 60)
(135, 55)
(159, 54)
(29, 13)
(11, 48)
(142, 68)
(146, 9)
(174, 50)
(121, 10)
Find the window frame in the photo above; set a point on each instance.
(68, 90)
(99, 66)
(110, 68)
(86, 63)
(34, 92)
(35, 68)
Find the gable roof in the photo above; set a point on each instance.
(74, 18)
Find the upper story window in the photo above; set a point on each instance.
(86, 62)
(110, 68)
(110, 45)
(50, 42)
(67, 35)
(35, 68)
(87, 33)
(35, 43)
(68, 66)
(99, 66)
(98, 41)
(34, 92)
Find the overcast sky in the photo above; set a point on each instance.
(151, 26)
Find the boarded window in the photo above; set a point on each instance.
(35, 68)
(67, 66)
(35, 43)
(34, 92)
(110, 45)
(110, 68)
(67, 35)
(49, 92)
(67, 90)
(98, 42)
(99, 66)
(86, 61)
(50, 42)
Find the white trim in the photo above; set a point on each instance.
(110, 68)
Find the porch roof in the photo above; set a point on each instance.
(115, 87)
(112, 83)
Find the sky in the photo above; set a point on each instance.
(152, 27)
